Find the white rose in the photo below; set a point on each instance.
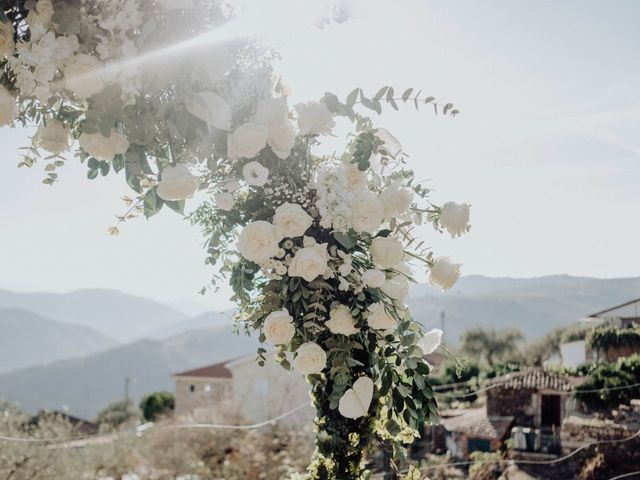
(378, 318)
(246, 141)
(404, 268)
(8, 107)
(314, 118)
(396, 287)
(431, 341)
(84, 76)
(454, 217)
(55, 137)
(177, 183)
(223, 200)
(104, 148)
(310, 358)
(354, 177)
(211, 108)
(444, 273)
(41, 14)
(368, 211)
(281, 138)
(271, 111)
(278, 327)
(373, 278)
(258, 241)
(7, 44)
(386, 252)
(309, 262)
(255, 174)
(397, 200)
(291, 220)
(341, 321)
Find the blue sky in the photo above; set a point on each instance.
(546, 148)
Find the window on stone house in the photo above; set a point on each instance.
(192, 388)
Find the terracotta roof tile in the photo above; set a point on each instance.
(536, 379)
(217, 370)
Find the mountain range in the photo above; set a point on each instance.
(79, 347)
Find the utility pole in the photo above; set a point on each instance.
(442, 325)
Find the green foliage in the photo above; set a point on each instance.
(502, 369)
(485, 466)
(607, 337)
(491, 345)
(453, 374)
(117, 413)
(156, 404)
(605, 386)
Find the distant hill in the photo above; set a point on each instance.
(86, 385)
(115, 314)
(533, 305)
(202, 321)
(28, 339)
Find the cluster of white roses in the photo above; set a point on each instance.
(342, 202)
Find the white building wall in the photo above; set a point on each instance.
(573, 353)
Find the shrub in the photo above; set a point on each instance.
(156, 404)
(605, 376)
(117, 413)
(606, 337)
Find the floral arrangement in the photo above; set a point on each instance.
(319, 249)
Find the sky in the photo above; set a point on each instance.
(546, 147)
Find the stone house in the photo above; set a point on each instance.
(255, 393)
(625, 315)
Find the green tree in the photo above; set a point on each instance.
(117, 413)
(156, 404)
(492, 345)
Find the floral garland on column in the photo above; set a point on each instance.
(319, 249)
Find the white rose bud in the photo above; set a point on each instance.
(386, 252)
(454, 217)
(373, 278)
(255, 174)
(341, 321)
(444, 273)
(397, 200)
(396, 288)
(258, 241)
(310, 358)
(431, 341)
(278, 327)
(246, 141)
(8, 107)
(104, 148)
(309, 262)
(223, 200)
(84, 75)
(177, 183)
(368, 211)
(55, 137)
(7, 44)
(378, 318)
(314, 118)
(291, 220)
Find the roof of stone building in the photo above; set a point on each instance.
(475, 423)
(217, 370)
(536, 379)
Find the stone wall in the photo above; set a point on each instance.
(194, 392)
(519, 403)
